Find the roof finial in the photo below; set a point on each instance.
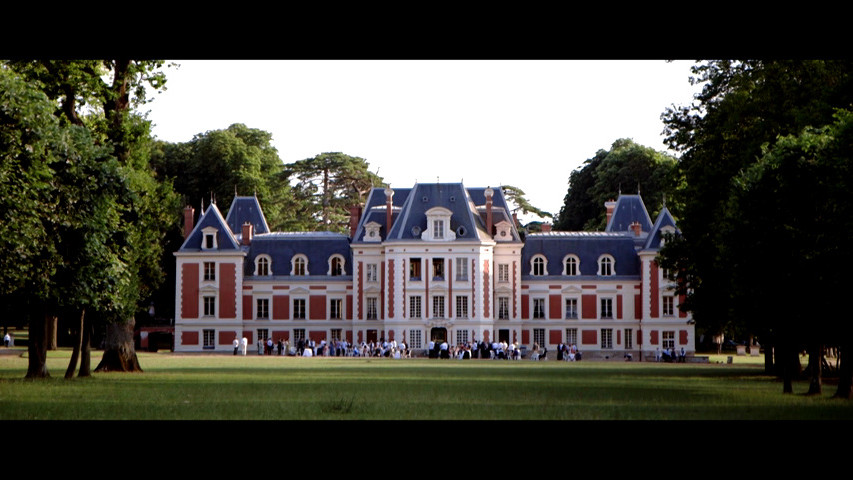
(664, 200)
(638, 188)
(620, 188)
(235, 190)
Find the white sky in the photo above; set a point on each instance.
(526, 123)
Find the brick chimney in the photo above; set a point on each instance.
(354, 217)
(636, 228)
(389, 203)
(489, 221)
(610, 206)
(189, 212)
(248, 230)
(546, 227)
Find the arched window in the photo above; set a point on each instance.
(571, 266)
(262, 266)
(539, 266)
(606, 266)
(336, 265)
(300, 266)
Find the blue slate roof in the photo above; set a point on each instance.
(318, 247)
(374, 210)
(588, 247)
(211, 218)
(629, 209)
(246, 209)
(664, 220)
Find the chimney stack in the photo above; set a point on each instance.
(489, 222)
(546, 227)
(610, 206)
(248, 229)
(189, 212)
(389, 203)
(354, 217)
(636, 228)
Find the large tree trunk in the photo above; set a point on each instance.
(78, 343)
(86, 349)
(815, 369)
(119, 350)
(37, 350)
(51, 326)
(845, 372)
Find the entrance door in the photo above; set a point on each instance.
(371, 336)
(503, 335)
(438, 334)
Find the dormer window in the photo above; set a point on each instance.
(606, 266)
(300, 266)
(438, 225)
(539, 266)
(336, 265)
(571, 266)
(503, 231)
(262, 266)
(371, 232)
(209, 241)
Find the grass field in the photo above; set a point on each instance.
(225, 387)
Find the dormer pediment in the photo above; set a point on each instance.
(371, 232)
(503, 231)
(438, 225)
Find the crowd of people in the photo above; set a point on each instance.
(670, 355)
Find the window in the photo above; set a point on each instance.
(539, 336)
(438, 307)
(539, 266)
(503, 308)
(372, 272)
(438, 269)
(415, 339)
(629, 338)
(462, 268)
(668, 337)
(461, 306)
(571, 336)
(298, 334)
(336, 266)
(438, 229)
(210, 271)
(335, 308)
(571, 265)
(299, 308)
(571, 308)
(263, 334)
(263, 308)
(606, 338)
(262, 266)
(415, 269)
(503, 273)
(335, 335)
(414, 307)
(300, 266)
(668, 305)
(208, 337)
(462, 337)
(606, 266)
(538, 308)
(371, 308)
(209, 306)
(209, 240)
(606, 308)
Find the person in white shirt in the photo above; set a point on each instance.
(236, 344)
(244, 345)
(308, 353)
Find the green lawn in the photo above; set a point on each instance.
(205, 387)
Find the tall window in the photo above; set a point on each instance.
(335, 335)
(461, 336)
(414, 307)
(438, 229)
(629, 338)
(461, 306)
(372, 272)
(571, 336)
(571, 266)
(210, 306)
(263, 307)
(263, 266)
(668, 305)
(438, 306)
(606, 338)
(299, 308)
(605, 266)
(300, 266)
(298, 334)
(210, 270)
(539, 336)
(538, 308)
(371, 308)
(538, 266)
(336, 266)
(668, 337)
(209, 337)
(415, 338)
(571, 308)
(209, 240)
(503, 308)
(335, 309)
(414, 269)
(263, 334)
(462, 268)
(438, 269)
(503, 273)
(606, 308)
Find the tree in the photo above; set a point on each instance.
(743, 106)
(625, 167)
(328, 184)
(518, 202)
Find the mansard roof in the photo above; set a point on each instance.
(629, 209)
(317, 247)
(656, 235)
(588, 247)
(246, 209)
(212, 217)
(375, 210)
